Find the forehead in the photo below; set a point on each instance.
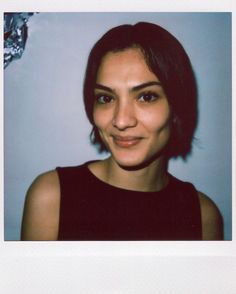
(125, 65)
(131, 53)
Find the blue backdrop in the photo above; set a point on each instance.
(45, 124)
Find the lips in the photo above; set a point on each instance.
(127, 141)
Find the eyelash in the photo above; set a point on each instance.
(154, 96)
(105, 99)
(99, 97)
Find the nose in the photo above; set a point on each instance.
(124, 116)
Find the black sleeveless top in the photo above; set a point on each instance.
(93, 210)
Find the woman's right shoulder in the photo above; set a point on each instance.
(45, 187)
(41, 211)
(45, 183)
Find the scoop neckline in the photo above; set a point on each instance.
(109, 186)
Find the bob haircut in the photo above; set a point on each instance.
(167, 59)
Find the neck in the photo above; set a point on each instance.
(152, 177)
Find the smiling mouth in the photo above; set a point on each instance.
(126, 142)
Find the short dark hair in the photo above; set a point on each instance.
(167, 59)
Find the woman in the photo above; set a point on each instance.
(140, 97)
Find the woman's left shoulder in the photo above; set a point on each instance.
(212, 221)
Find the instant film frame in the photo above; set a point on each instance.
(45, 123)
(108, 267)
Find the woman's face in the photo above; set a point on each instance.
(131, 110)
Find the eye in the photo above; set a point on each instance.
(103, 98)
(148, 97)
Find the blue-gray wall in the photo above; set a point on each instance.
(45, 124)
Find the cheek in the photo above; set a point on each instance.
(97, 117)
(101, 119)
(101, 123)
(158, 120)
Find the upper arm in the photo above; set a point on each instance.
(212, 222)
(41, 212)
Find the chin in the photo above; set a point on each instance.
(138, 160)
(126, 161)
(130, 163)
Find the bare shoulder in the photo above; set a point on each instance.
(41, 212)
(212, 222)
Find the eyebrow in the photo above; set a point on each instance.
(135, 88)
